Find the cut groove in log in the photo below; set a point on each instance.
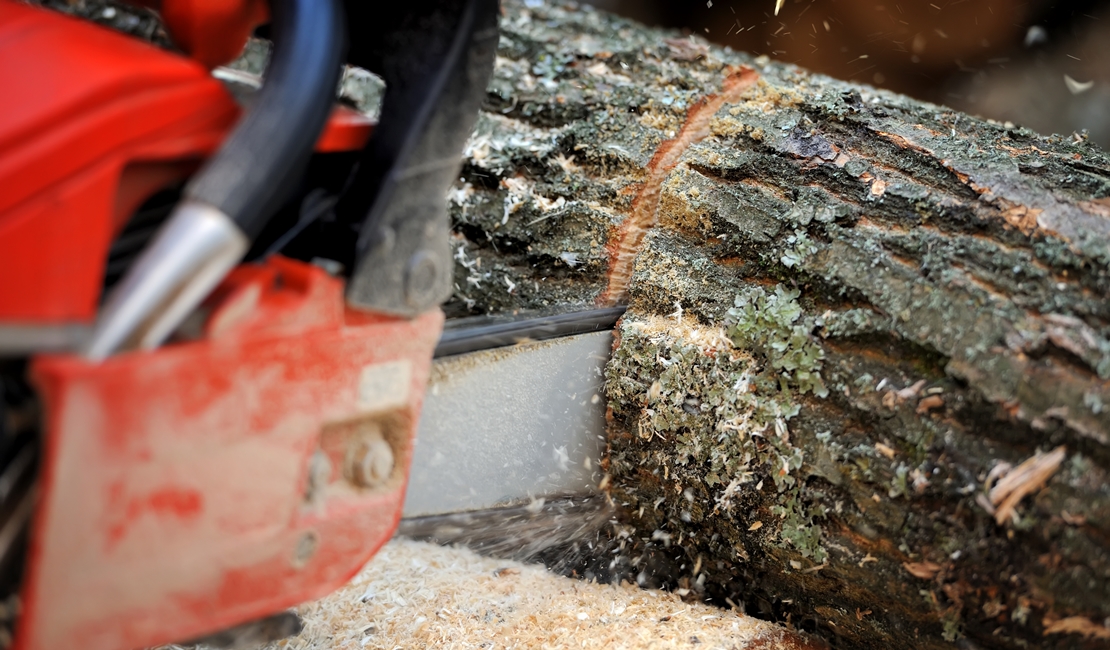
(629, 238)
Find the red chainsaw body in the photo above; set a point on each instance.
(93, 123)
(200, 485)
(175, 489)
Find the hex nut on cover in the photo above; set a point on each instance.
(370, 458)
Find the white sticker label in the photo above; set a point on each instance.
(385, 385)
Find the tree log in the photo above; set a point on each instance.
(862, 383)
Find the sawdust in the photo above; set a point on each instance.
(417, 595)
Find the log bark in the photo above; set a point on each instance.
(862, 384)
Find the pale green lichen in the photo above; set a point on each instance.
(853, 322)
(952, 630)
(771, 324)
(798, 528)
(799, 247)
(1093, 401)
(899, 485)
(720, 399)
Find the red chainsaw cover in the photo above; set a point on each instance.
(176, 497)
(93, 123)
(207, 483)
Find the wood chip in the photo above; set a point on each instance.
(420, 595)
(1076, 625)
(1023, 480)
(1022, 217)
(910, 392)
(929, 403)
(923, 570)
(1072, 520)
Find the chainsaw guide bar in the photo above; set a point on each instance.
(508, 450)
(476, 333)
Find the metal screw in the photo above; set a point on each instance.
(306, 548)
(370, 458)
(319, 474)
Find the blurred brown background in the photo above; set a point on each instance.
(1002, 59)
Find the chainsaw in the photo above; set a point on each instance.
(218, 319)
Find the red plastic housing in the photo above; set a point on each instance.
(212, 32)
(93, 123)
(201, 485)
(176, 496)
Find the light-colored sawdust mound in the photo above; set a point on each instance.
(419, 595)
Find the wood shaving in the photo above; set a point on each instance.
(566, 163)
(909, 392)
(1022, 217)
(1076, 625)
(923, 570)
(1078, 87)
(1023, 480)
(1072, 520)
(999, 470)
(420, 595)
(929, 403)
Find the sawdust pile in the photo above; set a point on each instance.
(417, 595)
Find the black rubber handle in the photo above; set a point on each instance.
(259, 162)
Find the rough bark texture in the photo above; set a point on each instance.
(854, 318)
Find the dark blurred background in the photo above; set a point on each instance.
(1044, 64)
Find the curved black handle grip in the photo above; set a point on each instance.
(436, 57)
(268, 149)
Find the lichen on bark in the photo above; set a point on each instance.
(853, 315)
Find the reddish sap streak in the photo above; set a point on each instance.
(626, 242)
